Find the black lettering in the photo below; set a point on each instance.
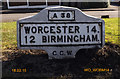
(48, 38)
(26, 39)
(27, 30)
(60, 38)
(55, 15)
(94, 38)
(53, 39)
(58, 29)
(61, 53)
(70, 39)
(54, 53)
(70, 29)
(77, 29)
(87, 29)
(69, 52)
(64, 27)
(63, 15)
(33, 29)
(88, 38)
(76, 38)
(32, 39)
(45, 29)
(40, 29)
(64, 38)
(68, 15)
(44, 39)
(82, 38)
(94, 29)
(52, 29)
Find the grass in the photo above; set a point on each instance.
(9, 40)
(111, 31)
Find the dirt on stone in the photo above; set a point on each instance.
(38, 65)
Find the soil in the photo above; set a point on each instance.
(38, 65)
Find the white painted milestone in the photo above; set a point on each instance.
(61, 32)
